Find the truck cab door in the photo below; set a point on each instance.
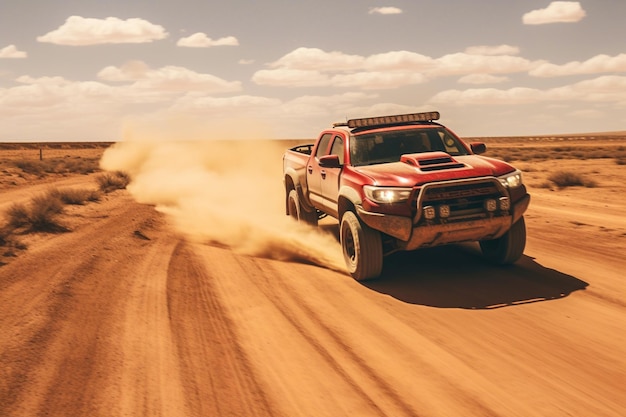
(330, 177)
(313, 175)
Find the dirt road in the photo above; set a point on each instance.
(124, 317)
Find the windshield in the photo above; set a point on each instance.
(383, 147)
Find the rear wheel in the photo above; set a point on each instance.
(362, 248)
(509, 247)
(297, 212)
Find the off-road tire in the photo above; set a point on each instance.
(297, 212)
(508, 248)
(362, 248)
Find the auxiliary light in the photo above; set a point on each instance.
(387, 120)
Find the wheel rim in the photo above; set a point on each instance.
(348, 244)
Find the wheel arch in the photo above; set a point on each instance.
(289, 185)
(348, 199)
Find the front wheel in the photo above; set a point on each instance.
(297, 212)
(509, 247)
(362, 248)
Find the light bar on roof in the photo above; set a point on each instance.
(387, 120)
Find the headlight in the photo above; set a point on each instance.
(387, 194)
(512, 180)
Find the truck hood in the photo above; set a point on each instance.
(417, 169)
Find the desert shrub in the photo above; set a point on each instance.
(76, 195)
(564, 179)
(620, 161)
(529, 168)
(80, 165)
(111, 181)
(17, 215)
(41, 215)
(58, 166)
(30, 167)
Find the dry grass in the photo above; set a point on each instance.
(563, 179)
(76, 165)
(32, 163)
(111, 181)
(78, 196)
(40, 215)
(531, 153)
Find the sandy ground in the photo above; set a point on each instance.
(124, 316)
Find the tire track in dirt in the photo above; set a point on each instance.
(60, 347)
(217, 375)
(319, 341)
(353, 354)
(123, 317)
(150, 369)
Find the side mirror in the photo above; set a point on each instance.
(478, 147)
(330, 161)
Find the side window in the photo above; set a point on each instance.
(451, 145)
(323, 145)
(338, 148)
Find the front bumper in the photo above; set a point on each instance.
(411, 236)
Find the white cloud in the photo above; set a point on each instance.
(482, 79)
(318, 60)
(79, 31)
(130, 71)
(463, 63)
(492, 50)
(11, 51)
(606, 89)
(556, 12)
(597, 64)
(63, 109)
(487, 96)
(326, 109)
(201, 40)
(195, 102)
(60, 109)
(377, 80)
(399, 61)
(167, 79)
(245, 61)
(385, 10)
(312, 67)
(288, 77)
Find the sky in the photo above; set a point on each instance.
(111, 70)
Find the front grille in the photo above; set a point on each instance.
(465, 199)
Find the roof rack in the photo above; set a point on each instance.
(387, 120)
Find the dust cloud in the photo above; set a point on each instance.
(227, 193)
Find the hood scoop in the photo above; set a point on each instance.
(431, 161)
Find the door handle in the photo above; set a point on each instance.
(323, 173)
(310, 169)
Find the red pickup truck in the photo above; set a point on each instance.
(403, 182)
